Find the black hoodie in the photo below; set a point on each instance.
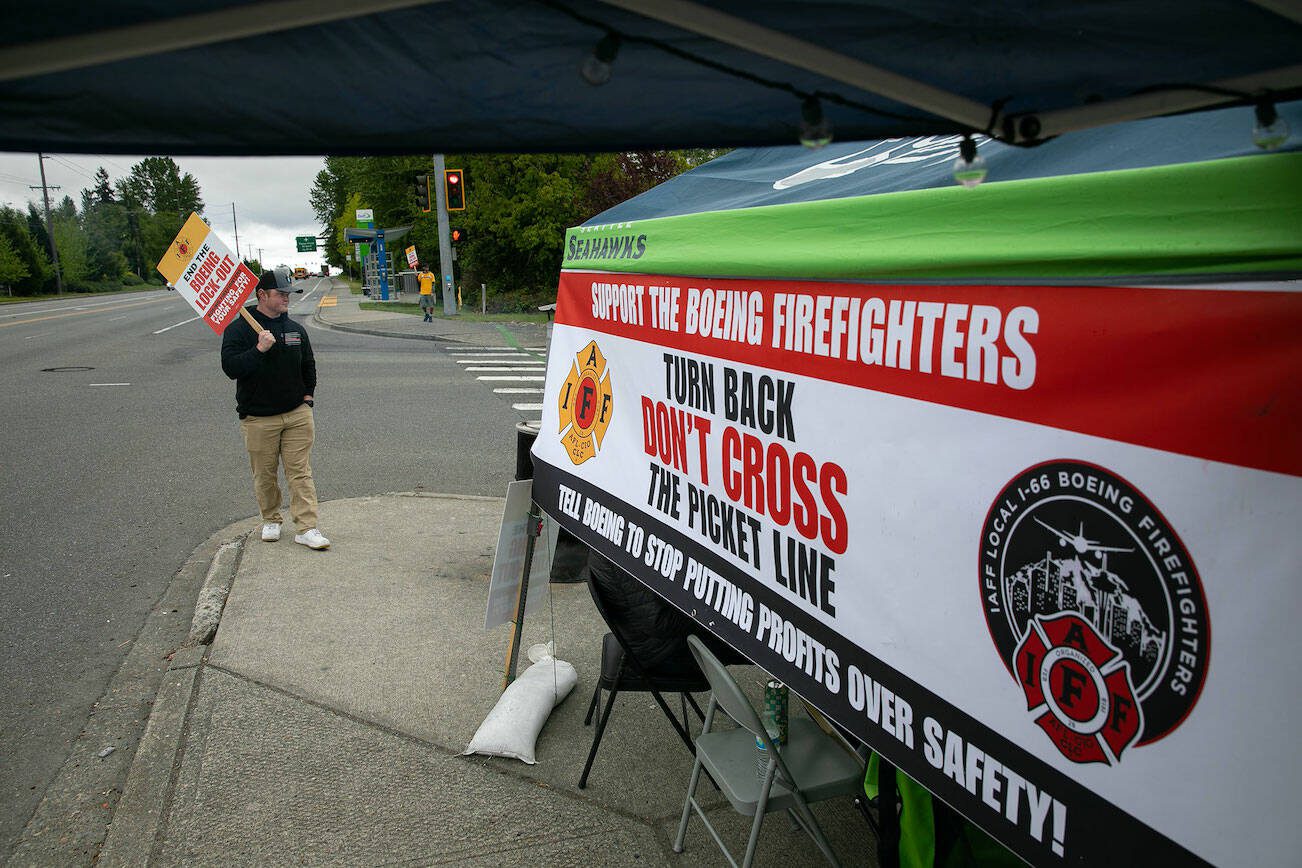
(274, 382)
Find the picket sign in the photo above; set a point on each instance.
(208, 276)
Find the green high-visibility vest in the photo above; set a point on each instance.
(934, 836)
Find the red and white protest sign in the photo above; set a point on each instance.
(206, 274)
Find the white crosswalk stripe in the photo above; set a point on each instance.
(503, 369)
(494, 357)
(515, 366)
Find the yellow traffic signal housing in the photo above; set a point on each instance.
(454, 189)
(422, 193)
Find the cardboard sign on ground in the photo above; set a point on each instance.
(206, 274)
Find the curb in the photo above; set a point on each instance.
(216, 586)
(382, 334)
(82, 804)
(134, 831)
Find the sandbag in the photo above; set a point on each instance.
(511, 728)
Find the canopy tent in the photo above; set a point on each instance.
(1002, 479)
(407, 76)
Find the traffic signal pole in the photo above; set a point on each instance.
(445, 243)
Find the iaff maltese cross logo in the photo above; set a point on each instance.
(586, 404)
(182, 248)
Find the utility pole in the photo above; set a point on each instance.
(445, 241)
(237, 234)
(49, 224)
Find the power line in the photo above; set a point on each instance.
(69, 164)
(111, 162)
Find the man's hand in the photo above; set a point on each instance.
(265, 340)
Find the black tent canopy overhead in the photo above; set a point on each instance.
(404, 76)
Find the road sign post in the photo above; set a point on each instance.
(305, 243)
(383, 261)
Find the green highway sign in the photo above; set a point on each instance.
(306, 243)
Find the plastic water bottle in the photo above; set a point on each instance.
(762, 753)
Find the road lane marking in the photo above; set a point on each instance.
(85, 306)
(300, 301)
(516, 379)
(181, 323)
(37, 335)
(510, 391)
(526, 406)
(75, 313)
(108, 384)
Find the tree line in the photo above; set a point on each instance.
(112, 240)
(518, 207)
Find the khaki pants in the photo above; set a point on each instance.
(287, 439)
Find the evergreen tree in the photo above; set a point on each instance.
(100, 194)
(72, 249)
(12, 267)
(157, 184)
(40, 274)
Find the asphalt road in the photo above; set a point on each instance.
(122, 454)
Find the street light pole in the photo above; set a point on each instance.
(237, 234)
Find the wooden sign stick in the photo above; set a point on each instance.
(248, 317)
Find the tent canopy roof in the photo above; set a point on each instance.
(754, 177)
(1185, 199)
(407, 76)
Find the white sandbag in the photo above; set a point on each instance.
(511, 728)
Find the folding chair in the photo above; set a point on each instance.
(621, 671)
(810, 767)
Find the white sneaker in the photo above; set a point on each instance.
(312, 539)
(271, 531)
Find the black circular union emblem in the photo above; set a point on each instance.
(1096, 609)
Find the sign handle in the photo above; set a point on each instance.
(248, 317)
(517, 626)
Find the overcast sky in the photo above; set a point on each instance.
(270, 194)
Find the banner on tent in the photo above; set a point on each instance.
(987, 529)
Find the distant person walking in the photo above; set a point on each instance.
(426, 278)
(275, 377)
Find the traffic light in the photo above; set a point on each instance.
(454, 188)
(422, 192)
(458, 234)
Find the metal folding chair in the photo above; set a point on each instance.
(809, 768)
(621, 671)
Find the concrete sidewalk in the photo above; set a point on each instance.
(325, 723)
(345, 314)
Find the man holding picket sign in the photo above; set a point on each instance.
(270, 358)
